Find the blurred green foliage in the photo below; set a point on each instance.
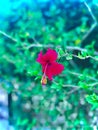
(67, 101)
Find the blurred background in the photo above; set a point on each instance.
(70, 101)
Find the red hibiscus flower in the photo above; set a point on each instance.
(50, 67)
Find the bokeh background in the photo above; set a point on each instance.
(70, 101)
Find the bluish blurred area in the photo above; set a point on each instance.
(6, 6)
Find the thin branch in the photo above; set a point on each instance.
(49, 45)
(91, 13)
(93, 26)
(73, 90)
(65, 85)
(78, 74)
(76, 56)
(8, 36)
(93, 84)
(36, 41)
(8, 59)
(44, 46)
(79, 49)
(89, 32)
(73, 64)
(96, 59)
(39, 45)
(83, 58)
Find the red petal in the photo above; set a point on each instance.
(50, 55)
(40, 55)
(40, 58)
(54, 69)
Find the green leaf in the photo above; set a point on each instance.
(80, 56)
(84, 54)
(69, 57)
(93, 100)
(24, 122)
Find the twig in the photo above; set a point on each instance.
(91, 13)
(78, 74)
(8, 36)
(89, 32)
(8, 59)
(79, 49)
(93, 26)
(65, 85)
(74, 90)
(36, 41)
(83, 58)
(39, 45)
(73, 64)
(45, 46)
(68, 86)
(49, 45)
(93, 84)
(76, 56)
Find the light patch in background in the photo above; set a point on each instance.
(4, 7)
(7, 5)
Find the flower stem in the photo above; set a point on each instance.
(44, 79)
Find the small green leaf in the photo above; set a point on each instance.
(69, 57)
(24, 122)
(80, 56)
(93, 100)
